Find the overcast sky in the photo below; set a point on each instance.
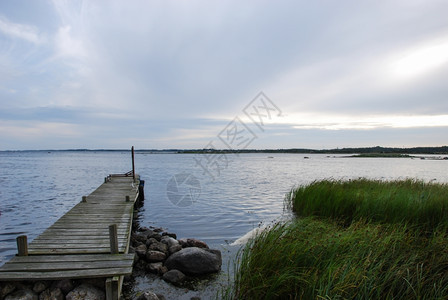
(186, 74)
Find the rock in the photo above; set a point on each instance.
(52, 294)
(157, 229)
(151, 241)
(175, 248)
(193, 243)
(155, 236)
(141, 250)
(22, 295)
(170, 234)
(40, 286)
(146, 233)
(169, 241)
(197, 243)
(139, 239)
(6, 288)
(148, 295)
(140, 265)
(175, 277)
(173, 244)
(161, 297)
(195, 298)
(65, 285)
(194, 260)
(155, 268)
(159, 246)
(155, 256)
(86, 292)
(96, 282)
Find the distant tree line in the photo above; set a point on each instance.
(377, 149)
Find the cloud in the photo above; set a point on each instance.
(178, 71)
(68, 46)
(21, 31)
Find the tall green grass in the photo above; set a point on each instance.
(360, 239)
(402, 201)
(317, 259)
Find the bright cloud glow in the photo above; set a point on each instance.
(421, 60)
(374, 122)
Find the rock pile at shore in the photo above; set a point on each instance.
(175, 260)
(89, 289)
(156, 252)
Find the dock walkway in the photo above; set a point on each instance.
(90, 241)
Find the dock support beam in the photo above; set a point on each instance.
(133, 165)
(112, 288)
(22, 245)
(113, 236)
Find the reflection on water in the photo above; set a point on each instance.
(36, 188)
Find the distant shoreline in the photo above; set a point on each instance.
(373, 151)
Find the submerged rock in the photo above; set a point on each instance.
(196, 261)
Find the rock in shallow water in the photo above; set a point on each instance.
(193, 243)
(148, 295)
(196, 261)
(174, 276)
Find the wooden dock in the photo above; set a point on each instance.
(90, 241)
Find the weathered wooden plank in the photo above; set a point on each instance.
(71, 258)
(63, 266)
(98, 226)
(68, 274)
(76, 245)
(75, 230)
(75, 236)
(71, 251)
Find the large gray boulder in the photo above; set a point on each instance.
(195, 261)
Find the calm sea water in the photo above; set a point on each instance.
(217, 204)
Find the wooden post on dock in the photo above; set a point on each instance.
(22, 245)
(133, 165)
(113, 236)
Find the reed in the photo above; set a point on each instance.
(344, 245)
(407, 201)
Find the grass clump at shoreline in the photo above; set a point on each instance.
(361, 239)
(413, 202)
